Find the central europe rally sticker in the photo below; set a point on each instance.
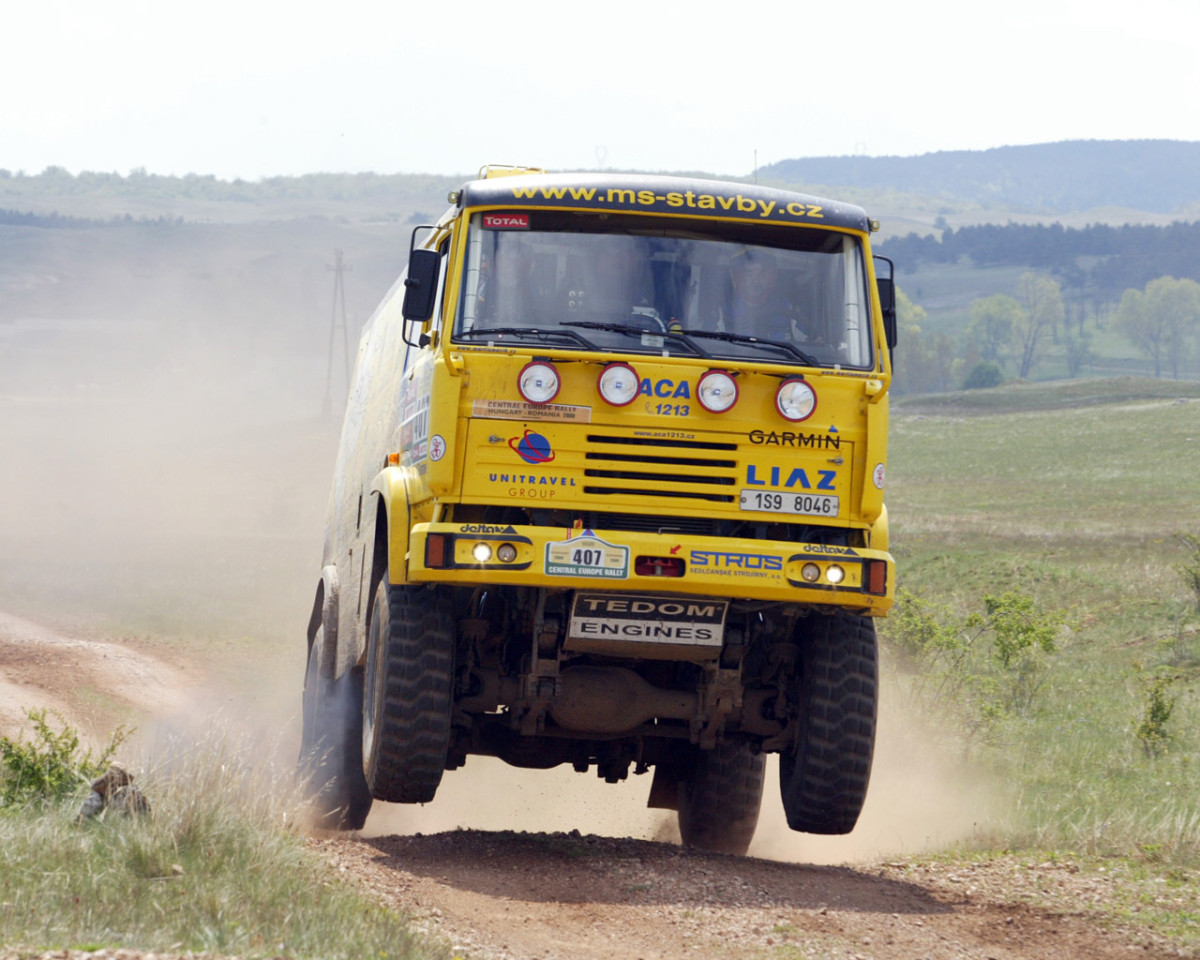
(587, 556)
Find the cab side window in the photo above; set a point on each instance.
(440, 295)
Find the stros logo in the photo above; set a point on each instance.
(532, 448)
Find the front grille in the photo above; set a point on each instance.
(668, 443)
(664, 474)
(673, 461)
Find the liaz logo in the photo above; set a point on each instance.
(797, 479)
(532, 447)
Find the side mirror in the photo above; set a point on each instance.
(887, 297)
(420, 285)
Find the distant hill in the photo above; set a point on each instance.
(55, 194)
(1160, 176)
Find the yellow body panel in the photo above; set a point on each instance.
(436, 432)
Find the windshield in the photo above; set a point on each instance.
(616, 284)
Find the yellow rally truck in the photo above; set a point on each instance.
(610, 492)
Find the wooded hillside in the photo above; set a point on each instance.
(1160, 176)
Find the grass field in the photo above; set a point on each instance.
(1075, 494)
(221, 867)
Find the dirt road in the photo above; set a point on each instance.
(563, 896)
(92, 684)
(497, 894)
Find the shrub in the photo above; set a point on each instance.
(1189, 569)
(977, 667)
(1157, 707)
(983, 375)
(51, 766)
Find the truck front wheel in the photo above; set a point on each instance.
(823, 774)
(331, 744)
(719, 798)
(408, 700)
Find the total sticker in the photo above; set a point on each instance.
(879, 476)
(437, 447)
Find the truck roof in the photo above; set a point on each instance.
(645, 193)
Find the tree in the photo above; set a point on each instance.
(1135, 322)
(993, 320)
(924, 361)
(1078, 348)
(1178, 303)
(1041, 312)
(1161, 320)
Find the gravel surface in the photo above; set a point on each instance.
(505, 895)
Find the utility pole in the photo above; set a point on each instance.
(337, 320)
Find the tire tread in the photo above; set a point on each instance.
(414, 728)
(824, 783)
(720, 799)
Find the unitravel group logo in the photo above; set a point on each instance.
(532, 448)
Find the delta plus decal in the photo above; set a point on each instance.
(532, 448)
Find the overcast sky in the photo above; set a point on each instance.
(252, 89)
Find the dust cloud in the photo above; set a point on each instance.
(919, 800)
(164, 461)
(164, 470)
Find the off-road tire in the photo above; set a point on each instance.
(823, 775)
(408, 702)
(719, 798)
(330, 764)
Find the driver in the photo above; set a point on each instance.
(755, 305)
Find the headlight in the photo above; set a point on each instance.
(482, 552)
(795, 399)
(717, 391)
(835, 574)
(538, 382)
(619, 384)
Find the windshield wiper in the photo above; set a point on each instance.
(631, 330)
(538, 332)
(756, 341)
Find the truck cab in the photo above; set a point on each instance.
(610, 493)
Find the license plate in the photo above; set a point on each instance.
(807, 504)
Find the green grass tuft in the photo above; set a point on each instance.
(221, 866)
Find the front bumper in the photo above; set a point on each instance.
(470, 554)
